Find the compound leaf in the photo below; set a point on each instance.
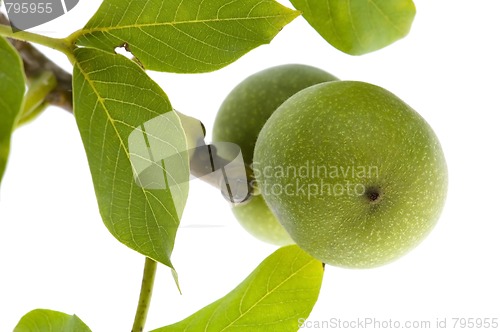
(44, 320)
(185, 36)
(280, 291)
(358, 26)
(135, 148)
(12, 88)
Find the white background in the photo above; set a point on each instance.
(56, 253)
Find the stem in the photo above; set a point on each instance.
(58, 44)
(35, 63)
(34, 101)
(148, 280)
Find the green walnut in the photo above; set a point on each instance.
(355, 175)
(258, 220)
(240, 119)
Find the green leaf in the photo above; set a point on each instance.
(135, 147)
(280, 291)
(12, 87)
(185, 36)
(44, 320)
(358, 26)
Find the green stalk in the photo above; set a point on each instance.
(34, 101)
(61, 45)
(148, 280)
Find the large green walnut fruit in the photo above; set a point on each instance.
(240, 119)
(355, 176)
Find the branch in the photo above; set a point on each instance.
(148, 280)
(35, 63)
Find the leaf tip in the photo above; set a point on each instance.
(293, 14)
(176, 279)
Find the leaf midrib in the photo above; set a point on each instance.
(384, 15)
(354, 30)
(101, 100)
(266, 295)
(85, 31)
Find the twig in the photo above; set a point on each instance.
(148, 280)
(35, 63)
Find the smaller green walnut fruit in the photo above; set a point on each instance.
(248, 106)
(240, 119)
(258, 220)
(354, 174)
